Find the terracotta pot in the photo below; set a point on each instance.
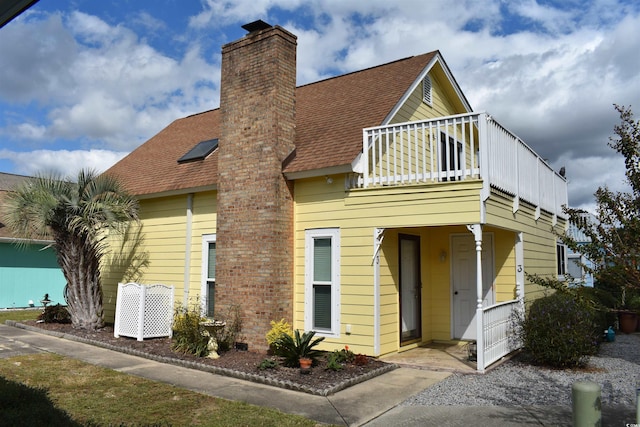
(628, 322)
(305, 363)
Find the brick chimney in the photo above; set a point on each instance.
(254, 236)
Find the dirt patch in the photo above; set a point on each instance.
(236, 363)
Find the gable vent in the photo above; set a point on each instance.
(427, 90)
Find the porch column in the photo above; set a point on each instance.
(476, 229)
(378, 237)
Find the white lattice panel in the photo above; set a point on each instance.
(144, 311)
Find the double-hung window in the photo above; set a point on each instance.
(208, 286)
(322, 281)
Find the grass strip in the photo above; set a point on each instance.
(48, 389)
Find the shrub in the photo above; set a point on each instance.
(293, 348)
(277, 330)
(333, 361)
(345, 355)
(55, 314)
(268, 364)
(189, 336)
(560, 331)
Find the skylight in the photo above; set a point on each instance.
(200, 151)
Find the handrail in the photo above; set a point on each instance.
(457, 148)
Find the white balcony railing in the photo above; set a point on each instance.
(498, 333)
(456, 148)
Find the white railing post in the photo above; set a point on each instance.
(476, 229)
(483, 146)
(365, 158)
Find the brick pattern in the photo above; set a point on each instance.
(255, 202)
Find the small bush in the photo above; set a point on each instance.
(189, 336)
(345, 355)
(55, 314)
(560, 331)
(293, 348)
(278, 329)
(268, 364)
(333, 361)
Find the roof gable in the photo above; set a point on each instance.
(330, 116)
(438, 69)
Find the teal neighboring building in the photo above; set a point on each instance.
(28, 270)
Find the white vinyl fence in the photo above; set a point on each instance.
(144, 311)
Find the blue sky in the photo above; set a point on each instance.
(84, 82)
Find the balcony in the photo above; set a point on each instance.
(458, 148)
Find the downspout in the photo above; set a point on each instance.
(476, 229)
(187, 251)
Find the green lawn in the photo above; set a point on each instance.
(19, 315)
(47, 389)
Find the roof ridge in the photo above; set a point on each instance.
(16, 174)
(199, 113)
(367, 69)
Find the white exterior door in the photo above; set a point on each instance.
(463, 282)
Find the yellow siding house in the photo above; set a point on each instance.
(412, 218)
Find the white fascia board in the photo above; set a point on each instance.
(180, 192)
(436, 59)
(332, 170)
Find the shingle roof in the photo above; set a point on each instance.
(330, 116)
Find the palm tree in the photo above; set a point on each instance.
(78, 217)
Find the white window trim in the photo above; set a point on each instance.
(206, 239)
(310, 235)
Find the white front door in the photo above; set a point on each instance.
(463, 282)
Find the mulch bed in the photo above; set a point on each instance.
(234, 363)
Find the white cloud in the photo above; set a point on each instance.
(552, 82)
(64, 162)
(100, 84)
(583, 182)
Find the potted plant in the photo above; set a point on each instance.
(296, 349)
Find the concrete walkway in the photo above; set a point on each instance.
(373, 403)
(354, 406)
